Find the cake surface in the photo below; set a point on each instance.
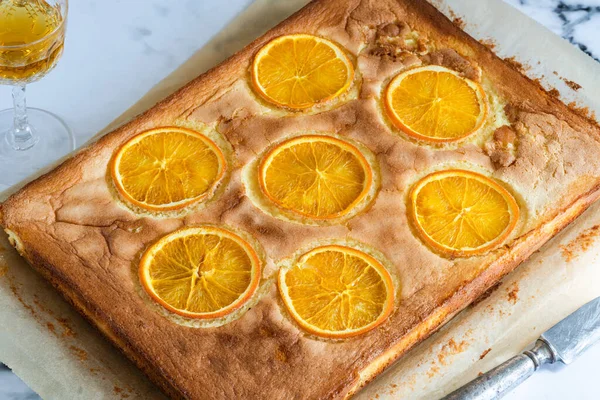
(72, 226)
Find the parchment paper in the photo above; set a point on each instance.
(61, 356)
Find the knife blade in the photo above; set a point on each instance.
(564, 342)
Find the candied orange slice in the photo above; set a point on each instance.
(316, 176)
(337, 291)
(200, 272)
(435, 104)
(299, 71)
(167, 168)
(461, 213)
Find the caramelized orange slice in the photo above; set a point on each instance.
(462, 213)
(200, 272)
(298, 71)
(337, 291)
(167, 168)
(435, 104)
(317, 176)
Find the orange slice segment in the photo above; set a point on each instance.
(435, 104)
(317, 176)
(299, 71)
(167, 168)
(461, 213)
(337, 291)
(200, 272)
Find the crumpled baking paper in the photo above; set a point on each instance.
(56, 352)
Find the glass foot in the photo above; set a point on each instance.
(54, 140)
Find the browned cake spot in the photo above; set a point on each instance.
(489, 43)
(449, 58)
(280, 354)
(3, 270)
(554, 92)
(580, 244)
(583, 111)
(512, 61)
(501, 149)
(486, 294)
(51, 327)
(391, 42)
(485, 353)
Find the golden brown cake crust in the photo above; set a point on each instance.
(69, 225)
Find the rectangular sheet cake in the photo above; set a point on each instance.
(73, 227)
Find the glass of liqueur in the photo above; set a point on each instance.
(32, 34)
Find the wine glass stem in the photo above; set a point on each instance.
(22, 136)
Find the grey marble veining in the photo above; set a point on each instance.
(576, 21)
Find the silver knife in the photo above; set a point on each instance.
(563, 342)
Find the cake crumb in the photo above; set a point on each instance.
(512, 61)
(554, 92)
(513, 293)
(433, 370)
(451, 348)
(67, 330)
(80, 353)
(489, 43)
(456, 20)
(580, 244)
(485, 353)
(573, 85)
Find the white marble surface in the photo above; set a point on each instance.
(118, 49)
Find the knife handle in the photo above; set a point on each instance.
(499, 381)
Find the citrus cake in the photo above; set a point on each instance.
(294, 220)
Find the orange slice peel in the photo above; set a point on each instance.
(316, 176)
(201, 272)
(435, 104)
(167, 168)
(461, 213)
(337, 291)
(298, 71)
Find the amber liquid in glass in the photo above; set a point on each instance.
(31, 40)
